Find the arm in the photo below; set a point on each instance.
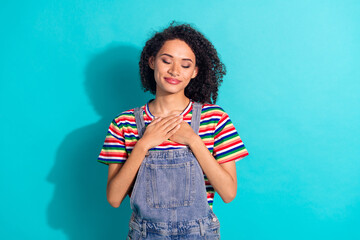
(121, 176)
(222, 176)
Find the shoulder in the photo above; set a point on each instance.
(126, 117)
(209, 109)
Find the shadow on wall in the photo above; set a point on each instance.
(79, 206)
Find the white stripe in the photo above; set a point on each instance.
(114, 134)
(116, 158)
(206, 132)
(224, 135)
(113, 144)
(170, 147)
(220, 125)
(230, 148)
(127, 121)
(130, 135)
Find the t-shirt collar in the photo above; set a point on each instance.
(186, 110)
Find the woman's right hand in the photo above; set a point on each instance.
(161, 129)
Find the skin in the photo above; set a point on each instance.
(174, 60)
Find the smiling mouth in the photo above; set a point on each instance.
(172, 80)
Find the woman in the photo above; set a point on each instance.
(173, 153)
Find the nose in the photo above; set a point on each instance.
(174, 70)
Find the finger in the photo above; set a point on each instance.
(172, 125)
(166, 124)
(156, 120)
(171, 132)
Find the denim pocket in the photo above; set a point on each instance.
(213, 234)
(170, 185)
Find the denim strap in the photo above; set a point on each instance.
(140, 124)
(196, 114)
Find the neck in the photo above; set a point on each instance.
(164, 106)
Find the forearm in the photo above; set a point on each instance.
(119, 185)
(224, 184)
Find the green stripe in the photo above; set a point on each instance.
(207, 137)
(114, 148)
(232, 152)
(224, 139)
(131, 138)
(220, 129)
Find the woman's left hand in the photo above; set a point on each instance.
(184, 135)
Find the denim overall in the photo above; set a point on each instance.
(169, 196)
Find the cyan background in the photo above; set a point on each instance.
(292, 90)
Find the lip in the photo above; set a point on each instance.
(173, 81)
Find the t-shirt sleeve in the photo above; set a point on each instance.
(113, 150)
(228, 145)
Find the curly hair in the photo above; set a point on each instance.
(204, 87)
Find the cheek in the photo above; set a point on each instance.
(160, 69)
(158, 73)
(189, 74)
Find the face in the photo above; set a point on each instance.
(174, 66)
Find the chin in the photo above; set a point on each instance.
(171, 89)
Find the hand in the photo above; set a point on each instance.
(184, 135)
(160, 129)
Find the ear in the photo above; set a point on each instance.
(196, 70)
(152, 62)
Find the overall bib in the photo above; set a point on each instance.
(169, 196)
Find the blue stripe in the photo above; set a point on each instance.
(127, 124)
(116, 146)
(224, 125)
(206, 134)
(209, 120)
(236, 149)
(111, 160)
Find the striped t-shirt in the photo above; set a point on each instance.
(216, 130)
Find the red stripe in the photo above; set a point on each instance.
(125, 118)
(113, 140)
(225, 131)
(213, 113)
(185, 113)
(115, 129)
(222, 119)
(105, 154)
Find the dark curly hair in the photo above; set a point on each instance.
(204, 87)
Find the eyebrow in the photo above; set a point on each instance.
(187, 59)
